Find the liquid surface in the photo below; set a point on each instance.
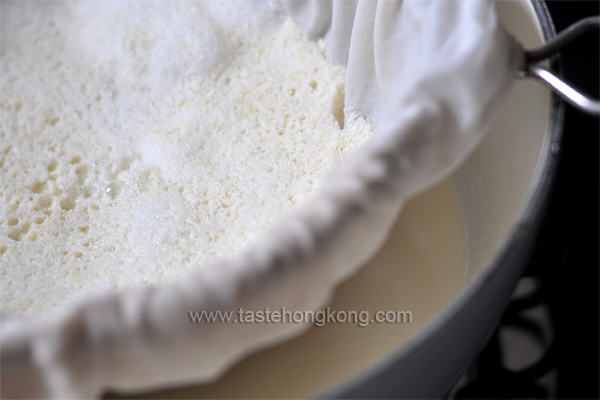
(420, 268)
(140, 141)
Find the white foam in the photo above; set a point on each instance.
(140, 141)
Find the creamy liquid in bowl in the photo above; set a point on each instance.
(140, 141)
(421, 268)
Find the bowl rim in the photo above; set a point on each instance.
(515, 246)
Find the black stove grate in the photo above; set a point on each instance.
(492, 375)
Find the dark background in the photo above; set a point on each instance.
(573, 216)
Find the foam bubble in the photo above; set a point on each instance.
(149, 139)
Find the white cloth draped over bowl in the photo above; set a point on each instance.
(430, 74)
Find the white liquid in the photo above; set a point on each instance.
(421, 267)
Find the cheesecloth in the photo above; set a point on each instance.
(430, 74)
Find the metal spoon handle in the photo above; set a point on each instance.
(549, 79)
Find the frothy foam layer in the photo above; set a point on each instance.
(140, 141)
